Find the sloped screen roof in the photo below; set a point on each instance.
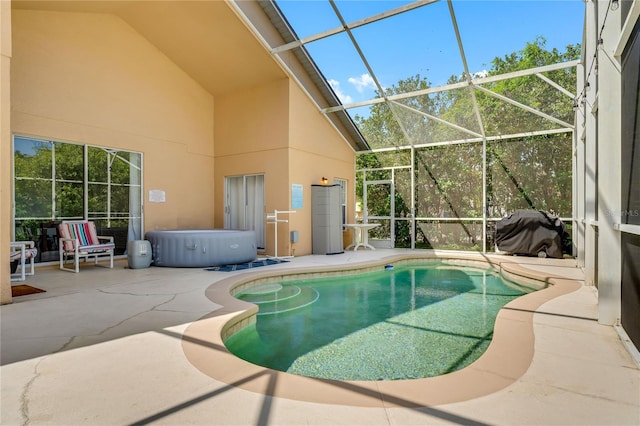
(399, 74)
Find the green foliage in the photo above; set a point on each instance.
(530, 172)
(501, 118)
(532, 56)
(50, 181)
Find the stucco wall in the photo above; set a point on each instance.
(5, 149)
(91, 78)
(317, 150)
(251, 133)
(276, 130)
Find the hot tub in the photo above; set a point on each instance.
(199, 248)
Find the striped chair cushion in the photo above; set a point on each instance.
(96, 248)
(84, 232)
(28, 254)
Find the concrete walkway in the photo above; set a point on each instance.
(104, 347)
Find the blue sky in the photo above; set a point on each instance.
(423, 41)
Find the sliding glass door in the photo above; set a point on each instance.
(245, 205)
(55, 181)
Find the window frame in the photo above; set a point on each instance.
(133, 217)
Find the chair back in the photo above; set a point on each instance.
(83, 231)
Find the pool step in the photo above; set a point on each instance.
(276, 298)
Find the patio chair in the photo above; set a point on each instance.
(20, 252)
(78, 239)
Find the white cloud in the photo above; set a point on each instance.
(362, 82)
(474, 75)
(344, 98)
(480, 74)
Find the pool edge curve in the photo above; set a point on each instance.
(496, 369)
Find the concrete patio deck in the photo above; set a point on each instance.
(106, 347)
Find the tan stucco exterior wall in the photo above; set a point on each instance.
(251, 133)
(92, 79)
(276, 130)
(5, 150)
(317, 150)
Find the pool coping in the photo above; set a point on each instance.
(507, 358)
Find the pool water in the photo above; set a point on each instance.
(411, 321)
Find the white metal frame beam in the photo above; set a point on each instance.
(468, 82)
(439, 120)
(349, 27)
(475, 140)
(460, 85)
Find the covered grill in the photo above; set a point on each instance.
(532, 233)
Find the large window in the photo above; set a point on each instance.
(55, 181)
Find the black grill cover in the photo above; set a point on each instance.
(532, 233)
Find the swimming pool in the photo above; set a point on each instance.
(411, 321)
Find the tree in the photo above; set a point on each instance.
(50, 181)
(531, 172)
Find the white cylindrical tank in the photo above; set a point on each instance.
(139, 254)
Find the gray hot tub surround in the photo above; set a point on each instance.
(199, 248)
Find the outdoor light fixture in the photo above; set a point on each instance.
(324, 180)
(615, 4)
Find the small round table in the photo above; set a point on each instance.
(360, 235)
